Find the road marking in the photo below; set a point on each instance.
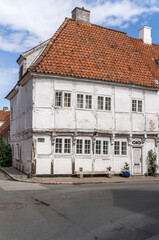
(20, 186)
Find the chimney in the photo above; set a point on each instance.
(81, 15)
(5, 109)
(145, 34)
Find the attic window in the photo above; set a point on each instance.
(156, 61)
(21, 71)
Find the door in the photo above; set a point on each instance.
(137, 159)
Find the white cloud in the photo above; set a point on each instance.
(24, 24)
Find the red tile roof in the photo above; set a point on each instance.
(90, 51)
(6, 125)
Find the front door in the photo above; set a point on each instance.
(137, 159)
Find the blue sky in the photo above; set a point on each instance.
(26, 23)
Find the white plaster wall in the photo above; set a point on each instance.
(43, 165)
(84, 162)
(122, 122)
(122, 100)
(102, 163)
(138, 122)
(62, 165)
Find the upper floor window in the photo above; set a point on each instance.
(120, 148)
(104, 103)
(83, 146)
(136, 105)
(21, 71)
(62, 99)
(84, 101)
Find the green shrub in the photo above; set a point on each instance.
(152, 166)
(5, 154)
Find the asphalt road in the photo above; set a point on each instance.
(93, 212)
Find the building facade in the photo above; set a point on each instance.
(87, 99)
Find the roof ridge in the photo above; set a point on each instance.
(46, 50)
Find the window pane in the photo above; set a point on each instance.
(116, 148)
(100, 103)
(105, 147)
(58, 148)
(123, 148)
(98, 147)
(79, 100)
(134, 105)
(67, 99)
(139, 106)
(88, 102)
(67, 146)
(79, 146)
(108, 103)
(87, 147)
(58, 99)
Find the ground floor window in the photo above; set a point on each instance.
(63, 145)
(120, 148)
(101, 147)
(83, 146)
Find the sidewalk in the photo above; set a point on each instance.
(19, 176)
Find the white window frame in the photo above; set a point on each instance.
(104, 103)
(83, 146)
(120, 147)
(84, 101)
(18, 151)
(63, 146)
(137, 105)
(63, 99)
(102, 140)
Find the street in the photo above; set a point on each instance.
(90, 211)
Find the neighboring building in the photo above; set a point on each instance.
(5, 125)
(86, 98)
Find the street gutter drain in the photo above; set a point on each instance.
(11, 206)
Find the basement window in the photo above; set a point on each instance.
(156, 61)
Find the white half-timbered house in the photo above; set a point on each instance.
(86, 99)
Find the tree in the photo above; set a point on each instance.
(152, 166)
(5, 153)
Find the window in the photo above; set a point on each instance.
(100, 103)
(79, 146)
(58, 148)
(79, 100)
(67, 99)
(87, 146)
(21, 71)
(123, 148)
(63, 145)
(84, 101)
(83, 146)
(67, 145)
(117, 148)
(18, 151)
(101, 147)
(41, 140)
(104, 103)
(108, 103)
(58, 99)
(105, 147)
(98, 147)
(120, 148)
(62, 99)
(88, 101)
(136, 105)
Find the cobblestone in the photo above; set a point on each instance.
(19, 176)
